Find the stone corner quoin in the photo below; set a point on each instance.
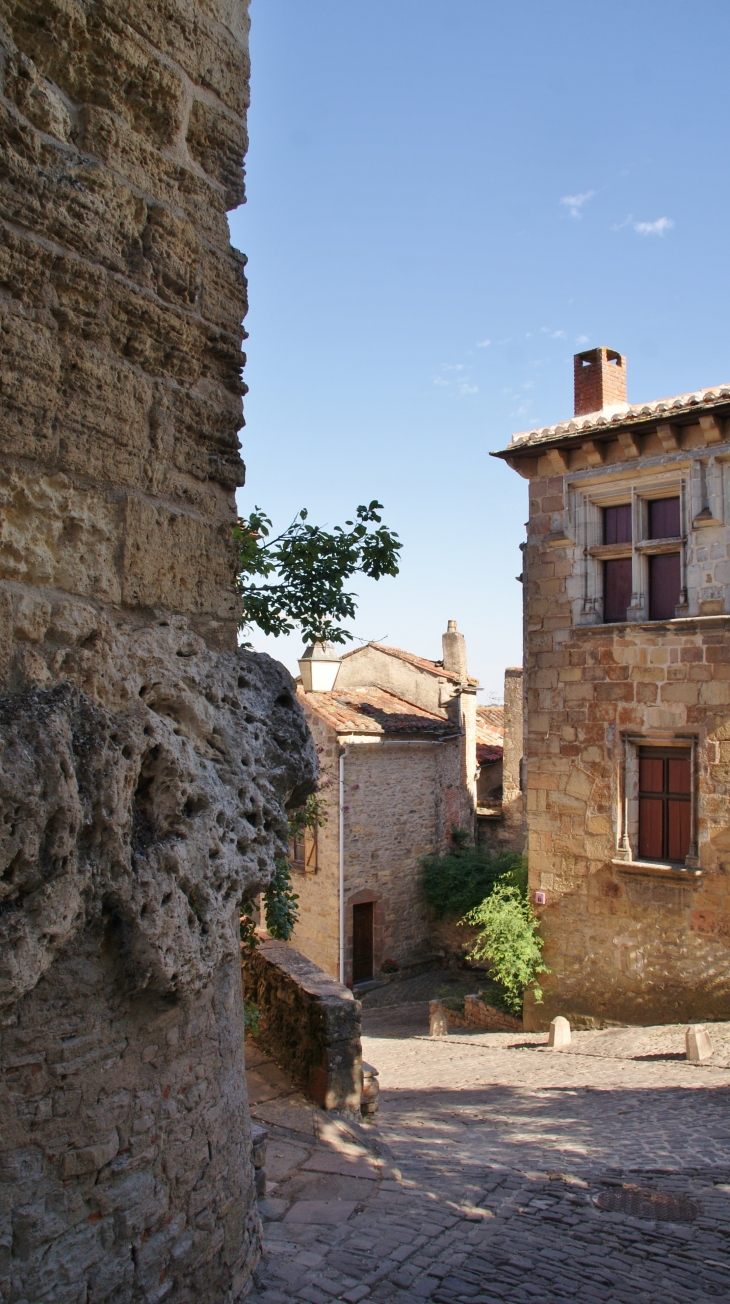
(146, 762)
(627, 686)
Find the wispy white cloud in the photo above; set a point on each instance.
(554, 335)
(483, 344)
(459, 383)
(581, 339)
(529, 384)
(574, 203)
(662, 225)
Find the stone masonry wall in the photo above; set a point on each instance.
(146, 763)
(308, 1022)
(623, 942)
(400, 800)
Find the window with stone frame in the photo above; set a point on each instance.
(659, 801)
(665, 804)
(635, 552)
(303, 852)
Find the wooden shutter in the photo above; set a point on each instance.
(664, 584)
(617, 524)
(665, 804)
(679, 806)
(310, 845)
(664, 522)
(616, 588)
(651, 809)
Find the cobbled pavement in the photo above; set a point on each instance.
(483, 1178)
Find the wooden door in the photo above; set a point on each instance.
(362, 942)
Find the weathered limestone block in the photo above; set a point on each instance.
(559, 1034)
(145, 762)
(698, 1044)
(309, 1023)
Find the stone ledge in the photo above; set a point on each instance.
(654, 869)
(308, 1023)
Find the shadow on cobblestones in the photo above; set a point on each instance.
(495, 1176)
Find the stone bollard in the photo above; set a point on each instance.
(438, 1023)
(259, 1137)
(370, 1091)
(698, 1043)
(559, 1033)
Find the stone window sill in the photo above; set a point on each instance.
(679, 622)
(658, 869)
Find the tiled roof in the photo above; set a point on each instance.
(421, 663)
(624, 414)
(490, 725)
(490, 734)
(374, 711)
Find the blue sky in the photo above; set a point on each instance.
(445, 202)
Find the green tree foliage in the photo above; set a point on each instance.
(510, 943)
(280, 903)
(458, 879)
(297, 580)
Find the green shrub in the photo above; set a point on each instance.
(510, 943)
(456, 880)
(279, 902)
(251, 1016)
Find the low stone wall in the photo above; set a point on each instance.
(308, 1023)
(477, 1014)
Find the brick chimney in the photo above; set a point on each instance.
(454, 650)
(600, 380)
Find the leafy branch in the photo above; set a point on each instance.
(297, 579)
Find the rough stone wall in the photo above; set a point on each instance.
(308, 1022)
(397, 802)
(441, 694)
(146, 763)
(512, 802)
(625, 941)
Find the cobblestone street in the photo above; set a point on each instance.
(499, 1170)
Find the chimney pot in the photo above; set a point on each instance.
(451, 626)
(599, 380)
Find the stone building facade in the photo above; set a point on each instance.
(627, 667)
(145, 762)
(396, 738)
(500, 822)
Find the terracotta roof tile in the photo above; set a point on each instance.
(487, 755)
(490, 726)
(374, 711)
(622, 414)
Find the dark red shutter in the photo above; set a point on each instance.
(616, 588)
(651, 828)
(651, 774)
(665, 804)
(664, 519)
(678, 830)
(664, 583)
(679, 779)
(617, 524)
